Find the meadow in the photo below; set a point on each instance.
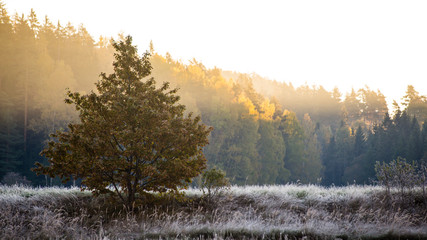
(249, 212)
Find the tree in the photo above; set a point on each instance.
(312, 151)
(415, 104)
(336, 155)
(132, 137)
(398, 173)
(6, 41)
(411, 96)
(352, 106)
(374, 105)
(356, 170)
(214, 181)
(271, 149)
(240, 158)
(293, 135)
(10, 138)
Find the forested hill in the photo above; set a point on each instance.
(268, 132)
(265, 132)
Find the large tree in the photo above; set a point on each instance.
(132, 137)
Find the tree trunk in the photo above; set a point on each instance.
(424, 187)
(131, 193)
(25, 109)
(7, 153)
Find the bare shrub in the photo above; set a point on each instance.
(12, 178)
(399, 174)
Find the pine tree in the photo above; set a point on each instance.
(359, 142)
(352, 106)
(415, 104)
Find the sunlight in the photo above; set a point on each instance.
(329, 43)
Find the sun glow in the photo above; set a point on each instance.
(344, 44)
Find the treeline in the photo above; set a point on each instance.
(265, 132)
(38, 61)
(255, 140)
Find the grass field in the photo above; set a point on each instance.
(251, 212)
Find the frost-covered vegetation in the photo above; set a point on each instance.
(287, 212)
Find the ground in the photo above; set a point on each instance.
(251, 212)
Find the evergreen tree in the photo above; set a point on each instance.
(271, 149)
(424, 141)
(352, 106)
(312, 152)
(374, 106)
(359, 142)
(330, 175)
(354, 172)
(415, 105)
(293, 135)
(414, 143)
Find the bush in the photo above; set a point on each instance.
(399, 174)
(12, 178)
(213, 181)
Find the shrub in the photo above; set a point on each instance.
(398, 173)
(12, 178)
(213, 181)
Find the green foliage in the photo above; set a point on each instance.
(213, 181)
(271, 149)
(293, 135)
(312, 152)
(302, 194)
(353, 106)
(416, 105)
(374, 105)
(131, 135)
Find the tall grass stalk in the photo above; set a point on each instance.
(288, 211)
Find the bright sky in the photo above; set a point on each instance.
(379, 43)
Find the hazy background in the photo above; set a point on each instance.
(346, 44)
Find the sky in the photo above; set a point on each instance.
(381, 44)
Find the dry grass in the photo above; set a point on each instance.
(270, 212)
